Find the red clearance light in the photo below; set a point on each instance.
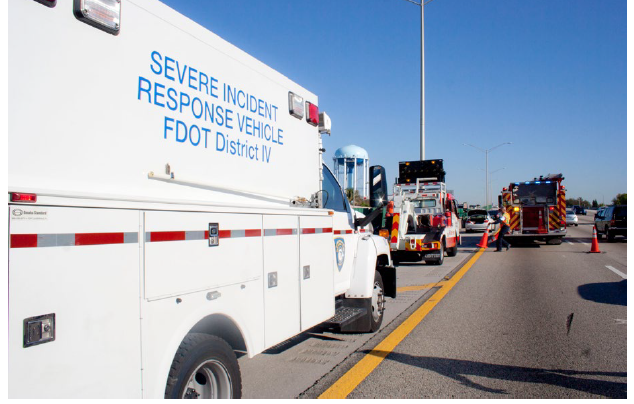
(552, 208)
(312, 117)
(48, 3)
(18, 197)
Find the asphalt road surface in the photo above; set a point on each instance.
(538, 321)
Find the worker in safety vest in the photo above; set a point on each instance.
(390, 209)
(504, 219)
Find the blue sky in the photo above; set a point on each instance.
(547, 75)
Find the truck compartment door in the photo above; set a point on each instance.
(316, 270)
(281, 278)
(83, 266)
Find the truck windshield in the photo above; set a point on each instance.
(532, 194)
(424, 203)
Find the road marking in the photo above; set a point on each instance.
(568, 241)
(351, 379)
(616, 271)
(420, 287)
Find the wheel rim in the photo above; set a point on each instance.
(378, 302)
(210, 380)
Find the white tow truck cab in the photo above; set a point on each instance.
(168, 207)
(425, 222)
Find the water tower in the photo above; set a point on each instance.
(351, 168)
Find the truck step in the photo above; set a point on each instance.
(345, 315)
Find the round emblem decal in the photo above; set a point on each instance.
(340, 252)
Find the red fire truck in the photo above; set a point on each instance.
(537, 209)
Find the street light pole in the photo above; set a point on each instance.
(486, 153)
(422, 74)
(422, 80)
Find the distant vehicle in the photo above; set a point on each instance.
(571, 218)
(478, 220)
(579, 210)
(599, 210)
(611, 222)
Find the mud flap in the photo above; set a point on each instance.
(388, 275)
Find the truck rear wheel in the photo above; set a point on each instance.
(440, 260)
(378, 303)
(204, 366)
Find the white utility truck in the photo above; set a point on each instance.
(168, 207)
(425, 222)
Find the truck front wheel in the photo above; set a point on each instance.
(378, 303)
(204, 366)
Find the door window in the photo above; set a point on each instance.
(332, 197)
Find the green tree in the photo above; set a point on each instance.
(355, 198)
(620, 199)
(595, 204)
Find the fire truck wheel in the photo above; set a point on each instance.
(378, 303)
(204, 366)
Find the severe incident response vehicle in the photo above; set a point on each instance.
(425, 221)
(168, 207)
(537, 209)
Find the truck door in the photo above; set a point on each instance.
(345, 239)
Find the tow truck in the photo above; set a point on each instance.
(537, 209)
(425, 222)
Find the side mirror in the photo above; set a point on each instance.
(378, 187)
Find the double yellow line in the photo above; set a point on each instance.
(349, 381)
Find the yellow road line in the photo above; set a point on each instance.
(420, 287)
(349, 381)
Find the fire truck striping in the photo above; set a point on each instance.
(79, 239)
(351, 379)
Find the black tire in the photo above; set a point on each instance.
(378, 303)
(609, 236)
(206, 366)
(452, 251)
(440, 260)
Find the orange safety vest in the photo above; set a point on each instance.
(506, 219)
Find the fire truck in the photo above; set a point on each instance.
(425, 223)
(537, 209)
(168, 208)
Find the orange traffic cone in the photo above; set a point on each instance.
(484, 241)
(595, 241)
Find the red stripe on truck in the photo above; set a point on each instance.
(23, 240)
(167, 236)
(98, 238)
